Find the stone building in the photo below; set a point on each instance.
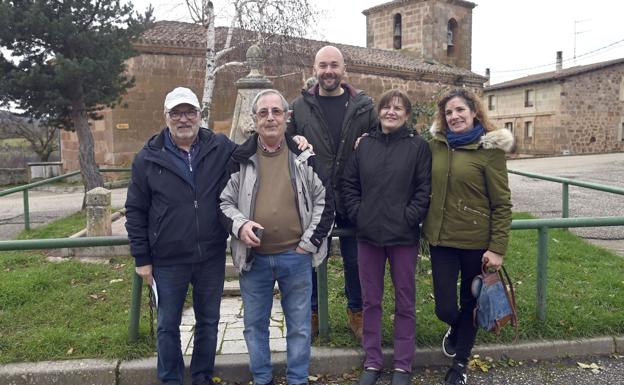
(434, 54)
(576, 110)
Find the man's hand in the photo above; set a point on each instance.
(357, 141)
(247, 235)
(299, 250)
(145, 272)
(493, 260)
(302, 143)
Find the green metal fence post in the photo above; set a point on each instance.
(26, 211)
(323, 303)
(135, 308)
(565, 203)
(542, 272)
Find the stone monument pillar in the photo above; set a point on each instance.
(248, 87)
(98, 204)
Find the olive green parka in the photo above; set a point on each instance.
(470, 198)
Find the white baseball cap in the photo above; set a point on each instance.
(181, 95)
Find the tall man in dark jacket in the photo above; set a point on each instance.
(175, 233)
(332, 115)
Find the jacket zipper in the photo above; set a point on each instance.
(473, 211)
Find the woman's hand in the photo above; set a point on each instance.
(492, 260)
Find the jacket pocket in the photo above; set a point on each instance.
(474, 212)
(156, 225)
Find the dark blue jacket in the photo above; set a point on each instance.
(169, 221)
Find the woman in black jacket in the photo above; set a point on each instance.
(386, 190)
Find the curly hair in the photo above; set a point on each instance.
(472, 101)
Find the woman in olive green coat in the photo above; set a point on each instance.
(469, 216)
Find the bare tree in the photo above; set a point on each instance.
(42, 137)
(271, 23)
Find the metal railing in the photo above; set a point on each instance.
(25, 188)
(542, 225)
(565, 186)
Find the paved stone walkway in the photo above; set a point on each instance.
(231, 340)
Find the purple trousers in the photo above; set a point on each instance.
(372, 262)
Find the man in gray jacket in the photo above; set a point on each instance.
(279, 211)
(332, 115)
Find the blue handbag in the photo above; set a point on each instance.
(496, 304)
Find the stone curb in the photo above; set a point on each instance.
(329, 361)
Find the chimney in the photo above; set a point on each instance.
(559, 65)
(487, 75)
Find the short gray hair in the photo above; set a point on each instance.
(268, 92)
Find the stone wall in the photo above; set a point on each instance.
(13, 176)
(424, 27)
(544, 115)
(123, 131)
(580, 114)
(592, 110)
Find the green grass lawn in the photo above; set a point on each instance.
(52, 311)
(585, 286)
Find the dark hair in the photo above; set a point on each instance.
(387, 97)
(472, 101)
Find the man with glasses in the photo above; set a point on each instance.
(175, 234)
(332, 114)
(279, 211)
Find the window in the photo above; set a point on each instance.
(491, 102)
(622, 89)
(621, 132)
(397, 33)
(509, 126)
(451, 36)
(528, 130)
(529, 98)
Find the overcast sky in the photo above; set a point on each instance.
(508, 35)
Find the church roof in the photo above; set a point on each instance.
(554, 75)
(187, 36)
(396, 3)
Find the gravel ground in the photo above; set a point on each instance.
(558, 372)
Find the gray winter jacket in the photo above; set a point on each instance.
(315, 202)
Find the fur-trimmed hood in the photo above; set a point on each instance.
(500, 138)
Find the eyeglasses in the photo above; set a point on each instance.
(177, 115)
(276, 112)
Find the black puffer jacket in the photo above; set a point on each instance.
(307, 120)
(387, 186)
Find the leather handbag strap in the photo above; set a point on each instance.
(512, 298)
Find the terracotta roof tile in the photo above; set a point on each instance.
(180, 34)
(553, 75)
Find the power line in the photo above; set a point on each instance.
(564, 61)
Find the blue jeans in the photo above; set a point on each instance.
(292, 271)
(172, 282)
(352, 288)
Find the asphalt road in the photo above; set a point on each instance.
(543, 198)
(44, 206)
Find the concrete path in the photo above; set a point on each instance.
(45, 206)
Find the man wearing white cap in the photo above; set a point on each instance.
(175, 234)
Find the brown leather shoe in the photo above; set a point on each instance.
(355, 323)
(315, 324)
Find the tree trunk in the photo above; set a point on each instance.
(91, 177)
(209, 75)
